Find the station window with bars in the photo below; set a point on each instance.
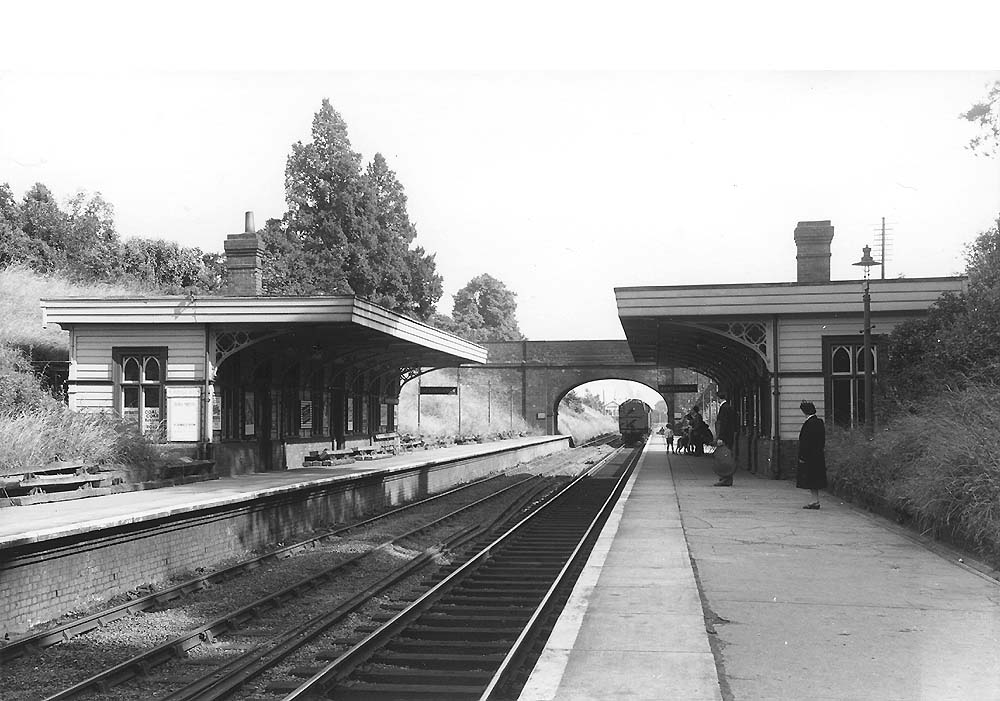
(139, 388)
(844, 372)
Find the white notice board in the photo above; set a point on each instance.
(183, 418)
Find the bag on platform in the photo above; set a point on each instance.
(724, 462)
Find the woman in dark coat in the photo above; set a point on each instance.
(811, 473)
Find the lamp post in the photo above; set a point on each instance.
(867, 262)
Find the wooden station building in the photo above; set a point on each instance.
(253, 382)
(773, 345)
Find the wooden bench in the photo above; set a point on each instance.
(366, 452)
(387, 442)
(409, 443)
(59, 476)
(327, 457)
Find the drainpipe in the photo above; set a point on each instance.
(776, 406)
(206, 398)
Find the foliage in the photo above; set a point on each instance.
(347, 230)
(20, 391)
(21, 290)
(959, 340)
(987, 115)
(485, 310)
(29, 438)
(937, 466)
(81, 243)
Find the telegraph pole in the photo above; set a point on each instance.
(883, 248)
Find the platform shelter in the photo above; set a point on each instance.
(253, 382)
(772, 345)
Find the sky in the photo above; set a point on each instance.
(564, 176)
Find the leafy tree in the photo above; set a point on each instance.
(346, 231)
(168, 266)
(485, 310)
(15, 245)
(46, 226)
(91, 244)
(959, 340)
(987, 115)
(573, 402)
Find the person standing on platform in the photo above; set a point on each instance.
(698, 427)
(811, 472)
(668, 436)
(725, 433)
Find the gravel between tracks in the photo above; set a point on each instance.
(38, 675)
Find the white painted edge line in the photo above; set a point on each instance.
(545, 678)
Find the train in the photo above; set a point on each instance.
(634, 421)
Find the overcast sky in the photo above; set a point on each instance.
(563, 184)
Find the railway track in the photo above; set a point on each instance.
(67, 631)
(473, 634)
(155, 672)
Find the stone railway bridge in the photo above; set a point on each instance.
(546, 371)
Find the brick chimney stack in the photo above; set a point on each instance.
(243, 261)
(812, 238)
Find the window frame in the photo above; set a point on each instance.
(120, 355)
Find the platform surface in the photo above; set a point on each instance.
(35, 522)
(698, 592)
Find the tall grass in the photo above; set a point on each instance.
(21, 291)
(937, 466)
(36, 429)
(36, 438)
(586, 423)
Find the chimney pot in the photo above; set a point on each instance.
(243, 264)
(812, 239)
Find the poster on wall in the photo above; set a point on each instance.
(151, 420)
(248, 414)
(216, 412)
(383, 420)
(306, 413)
(183, 417)
(350, 414)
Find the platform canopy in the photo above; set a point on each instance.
(730, 332)
(334, 325)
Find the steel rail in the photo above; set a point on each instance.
(225, 680)
(140, 664)
(519, 651)
(338, 669)
(67, 631)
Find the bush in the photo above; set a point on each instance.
(936, 465)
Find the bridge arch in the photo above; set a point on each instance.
(561, 394)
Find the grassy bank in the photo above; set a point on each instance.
(35, 428)
(936, 467)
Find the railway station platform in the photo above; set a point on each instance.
(695, 592)
(64, 556)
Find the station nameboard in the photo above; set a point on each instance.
(438, 390)
(677, 389)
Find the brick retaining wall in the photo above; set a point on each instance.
(42, 581)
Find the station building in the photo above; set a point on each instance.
(255, 382)
(773, 345)
(249, 381)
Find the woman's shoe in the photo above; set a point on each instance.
(814, 505)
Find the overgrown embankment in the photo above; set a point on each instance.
(35, 427)
(935, 467)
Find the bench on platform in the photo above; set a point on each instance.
(409, 443)
(327, 457)
(387, 442)
(60, 477)
(365, 452)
